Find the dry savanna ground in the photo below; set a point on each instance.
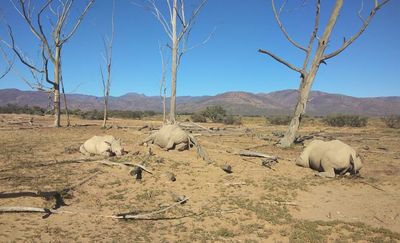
(253, 204)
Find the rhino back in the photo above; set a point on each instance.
(95, 145)
(170, 132)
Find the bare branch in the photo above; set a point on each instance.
(8, 61)
(88, 6)
(42, 35)
(313, 35)
(160, 17)
(19, 54)
(281, 60)
(278, 20)
(360, 12)
(362, 29)
(189, 25)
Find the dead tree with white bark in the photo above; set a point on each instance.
(312, 59)
(177, 26)
(163, 84)
(107, 56)
(58, 13)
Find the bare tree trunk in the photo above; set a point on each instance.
(308, 80)
(105, 117)
(172, 113)
(65, 102)
(57, 106)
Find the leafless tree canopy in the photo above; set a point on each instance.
(177, 25)
(51, 36)
(311, 63)
(107, 56)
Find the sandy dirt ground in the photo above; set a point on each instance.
(284, 203)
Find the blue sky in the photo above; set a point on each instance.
(229, 61)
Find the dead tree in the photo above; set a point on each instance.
(50, 46)
(108, 47)
(163, 84)
(309, 70)
(177, 28)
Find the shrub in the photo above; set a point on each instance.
(279, 120)
(92, 115)
(214, 113)
(392, 121)
(346, 120)
(232, 120)
(198, 117)
(16, 109)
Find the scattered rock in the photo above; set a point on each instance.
(178, 198)
(365, 147)
(137, 171)
(169, 176)
(269, 163)
(227, 168)
(71, 149)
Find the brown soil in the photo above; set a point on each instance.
(253, 204)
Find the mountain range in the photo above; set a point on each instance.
(238, 103)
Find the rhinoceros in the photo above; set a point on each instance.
(170, 137)
(330, 158)
(102, 145)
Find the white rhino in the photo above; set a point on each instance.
(170, 137)
(330, 158)
(102, 145)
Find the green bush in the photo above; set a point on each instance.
(346, 120)
(214, 113)
(198, 117)
(392, 121)
(279, 120)
(232, 120)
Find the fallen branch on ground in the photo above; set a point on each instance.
(148, 215)
(249, 153)
(145, 216)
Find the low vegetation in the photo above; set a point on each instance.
(216, 114)
(16, 109)
(198, 117)
(392, 121)
(346, 121)
(98, 115)
(278, 120)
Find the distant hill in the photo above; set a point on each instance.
(240, 103)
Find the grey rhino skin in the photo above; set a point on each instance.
(169, 137)
(102, 145)
(329, 158)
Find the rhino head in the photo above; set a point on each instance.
(116, 147)
(356, 164)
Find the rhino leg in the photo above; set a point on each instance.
(149, 139)
(181, 146)
(329, 171)
(170, 145)
(83, 150)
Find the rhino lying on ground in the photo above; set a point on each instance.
(330, 158)
(102, 145)
(170, 137)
